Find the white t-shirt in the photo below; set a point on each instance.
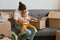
(17, 16)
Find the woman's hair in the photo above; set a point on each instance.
(21, 6)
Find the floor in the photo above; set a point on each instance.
(45, 38)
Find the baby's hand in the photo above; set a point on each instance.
(28, 19)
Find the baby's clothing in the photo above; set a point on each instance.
(24, 26)
(25, 20)
(25, 23)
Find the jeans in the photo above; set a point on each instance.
(29, 32)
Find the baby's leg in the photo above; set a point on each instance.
(33, 27)
(23, 28)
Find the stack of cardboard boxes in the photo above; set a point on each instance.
(54, 19)
(5, 27)
(54, 22)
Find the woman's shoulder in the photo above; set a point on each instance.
(17, 12)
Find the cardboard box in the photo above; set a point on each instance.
(58, 35)
(4, 16)
(5, 28)
(54, 19)
(5, 38)
(11, 14)
(41, 24)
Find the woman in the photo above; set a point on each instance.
(17, 15)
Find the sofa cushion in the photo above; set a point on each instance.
(46, 32)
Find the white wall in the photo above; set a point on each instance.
(8, 4)
(59, 3)
(31, 4)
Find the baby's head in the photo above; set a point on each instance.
(24, 13)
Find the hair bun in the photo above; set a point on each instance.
(20, 3)
(22, 6)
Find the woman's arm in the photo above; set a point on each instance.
(16, 17)
(17, 22)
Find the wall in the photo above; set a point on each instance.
(8, 4)
(31, 4)
(59, 3)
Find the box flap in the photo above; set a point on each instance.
(11, 14)
(43, 18)
(54, 15)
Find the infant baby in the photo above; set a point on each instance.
(25, 18)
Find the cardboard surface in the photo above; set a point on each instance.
(5, 28)
(54, 23)
(5, 38)
(54, 15)
(41, 24)
(54, 19)
(58, 35)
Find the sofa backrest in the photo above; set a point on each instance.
(33, 13)
(40, 13)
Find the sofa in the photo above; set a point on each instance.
(42, 34)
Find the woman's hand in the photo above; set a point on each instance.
(33, 19)
(18, 22)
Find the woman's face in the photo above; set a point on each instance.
(23, 11)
